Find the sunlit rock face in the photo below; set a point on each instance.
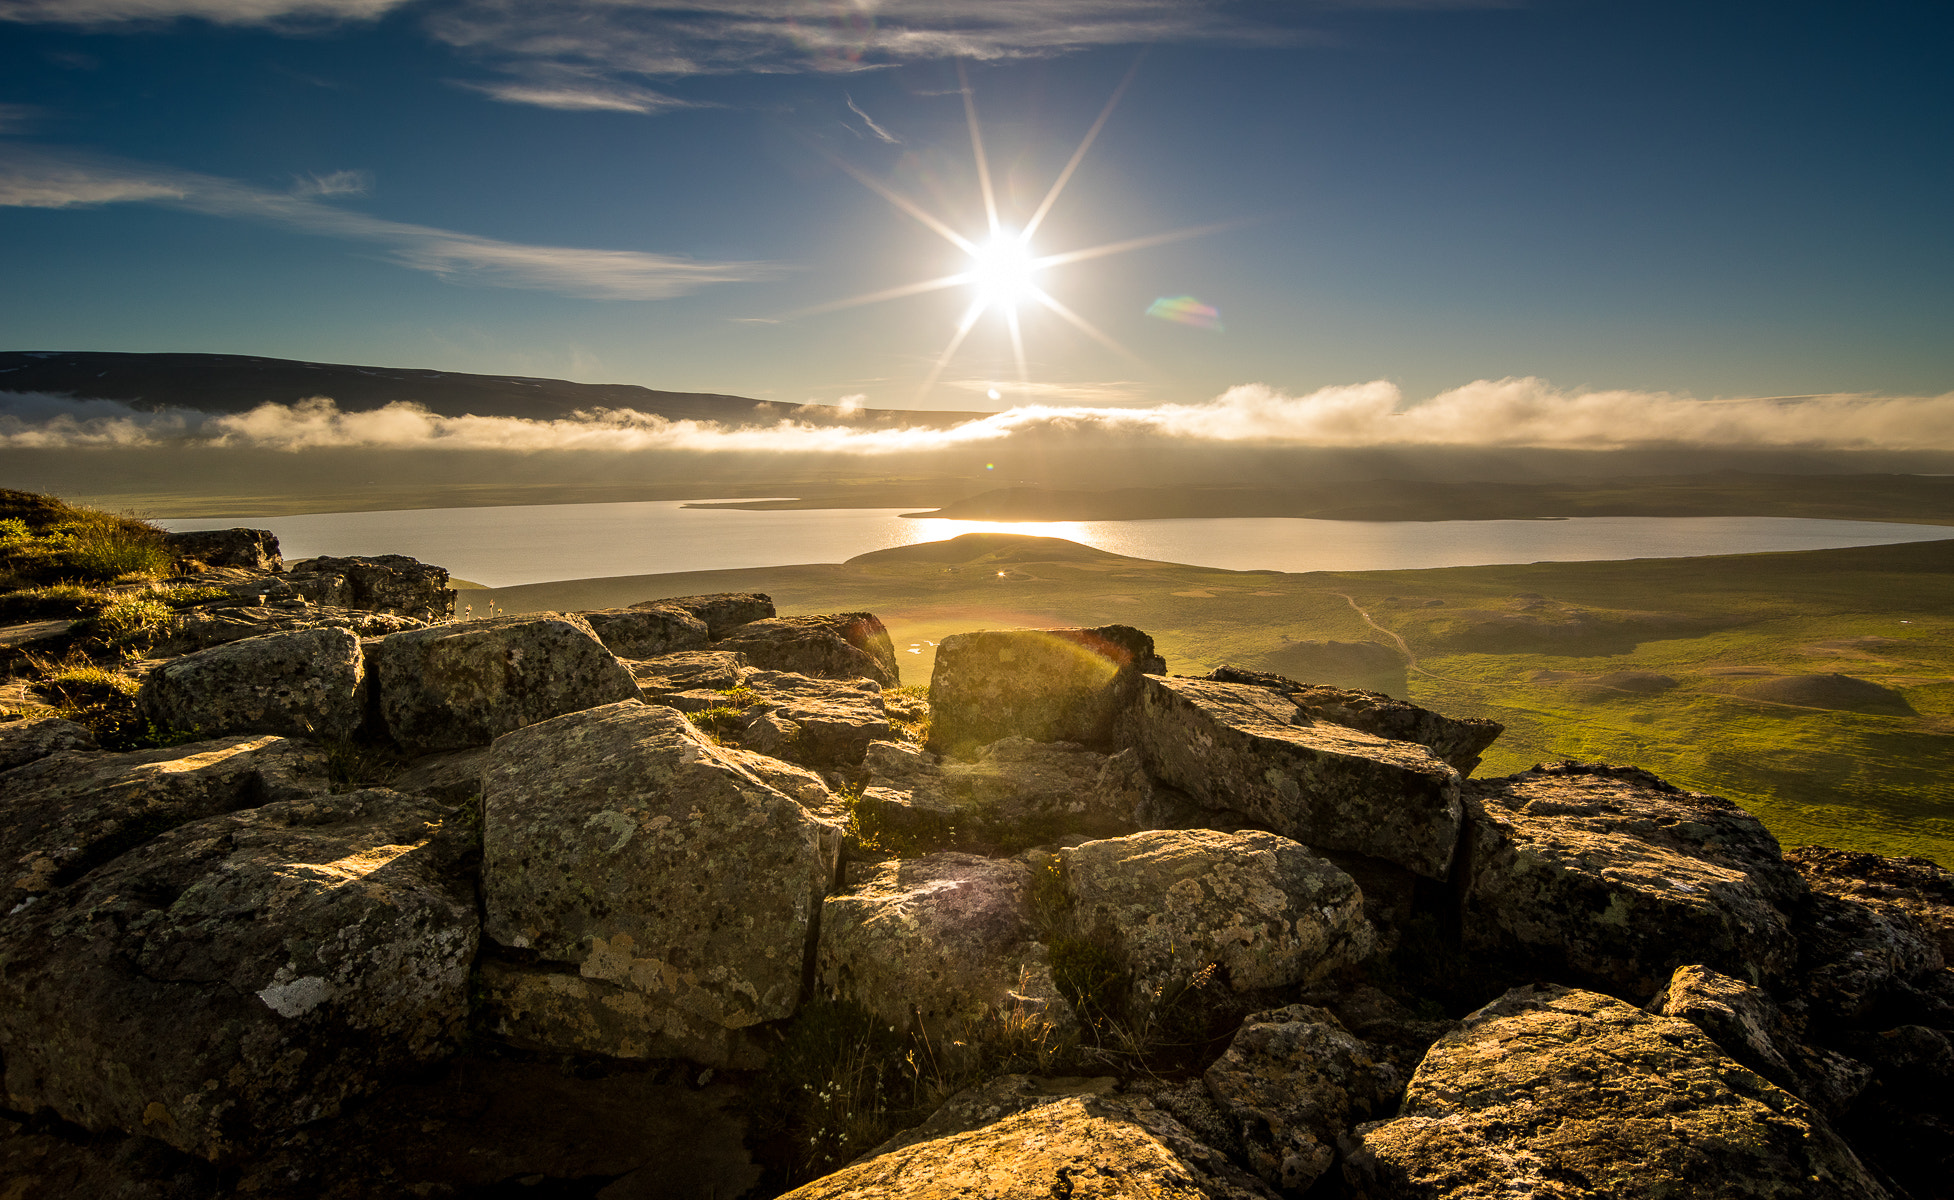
(1252, 749)
(465, 684)
(647, 632)
(1054, 685)
(831, 646)
(1547, 1085)
(664, 894)
(823, 723)
(388, 583)
(721, 611)
(308, 683)
(1457, 741)
(244, 974)
(1609, 877)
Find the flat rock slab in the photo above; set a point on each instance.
(253, 548)
(465, 684)
(623, 848)
(1457, 741)
(1080, 1147)
(1050, 685)
(1015, 793)
(1257, 905)
(307, 683)
(1609, 877)
(647, 632)
(831, 646)
(244, 974)
(1558, 1094)
(1253, 750)
(68, 813)
(943, 941)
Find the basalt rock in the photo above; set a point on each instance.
(465, 684)
(1551, 1092)
(1610, 878)
(253, 548)
(721, 611)
(832, 646)
(311, 683)
(390, 583)
(1244, 747)
(241, 975)
(669, 893)
(1051, 685)
(1458, 741)
(1014, 793)
(647, 632)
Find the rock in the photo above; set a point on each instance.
(1051, 685)
(200, 629)
(1015, 793)
(23, 741)
(39, 1163)
(653, 872)
(390, 583)
(1262, 908)
(1243, 747)
(993, 1100)
(1858, 963)
(1609, 877)
(688, 671)
(72, 811)
(1920, 889)
(832, 646)
(803, 785)
(1553, 1092)
(943, 943)
(450, 776)
(241, 975)
(818, 722)
(253, 548)
(647, 632)
(1457, 741)
(553, 1008)
(1395, 1034)
(721, 611)
(1295, 1080)
(1078, 1146)
(311, 683)
(1747, 1025)
(465, 684)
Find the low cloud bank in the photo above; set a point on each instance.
(1505, 413)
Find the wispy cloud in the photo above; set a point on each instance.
(18, 118)
(333, 183)
(869, 121)
(575, 89)
(1487, 413)
(222, 12)
(36, 179)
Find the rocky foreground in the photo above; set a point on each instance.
(668, 900)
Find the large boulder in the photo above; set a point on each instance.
(1295, 1080)
(1552, 1092)
(390, 583)
(1049, 685)
(1457, 741)
(1920, 889)
(63, 815)
(256, 549)
(824, 723)
(242, 975)
(943, 943)
(1248, 748)
(1015, 793)
(831, 646)
(202, 628)
(1875, 938)
(1748, 1026)
(669, 894)
(22, 741)
(1610, 878)
(465, 684)
(310, 683)
(1085, 1147)
(1257, 906)
(721, 611)
(647, 632)
(689, 671)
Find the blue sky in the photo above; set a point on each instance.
(1717, 200)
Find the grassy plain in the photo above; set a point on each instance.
(1716, 673)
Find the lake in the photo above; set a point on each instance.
(504, 547)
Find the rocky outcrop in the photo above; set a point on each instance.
(1051, 685)
(203, 628)
(823, 723)
(256, 549)
(1014, 793)
(241, 975)
(1259, 908)
(939, 944)
(647, 632)
(1240, 746)
(1457, 741)
(833, 646)
(1078, 1146)
(467, 683)
(721, 611)
(689, 671)
(71, 811)
(669, 894)
(1610, 878)
(1549, 1091)
(1748, 1026)
(23, 741)
(311, 683)
(389, 583)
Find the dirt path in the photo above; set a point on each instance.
(1410, 659)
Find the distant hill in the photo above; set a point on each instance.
(226, 383)
(991, 548)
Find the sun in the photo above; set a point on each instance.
(1003, 272)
